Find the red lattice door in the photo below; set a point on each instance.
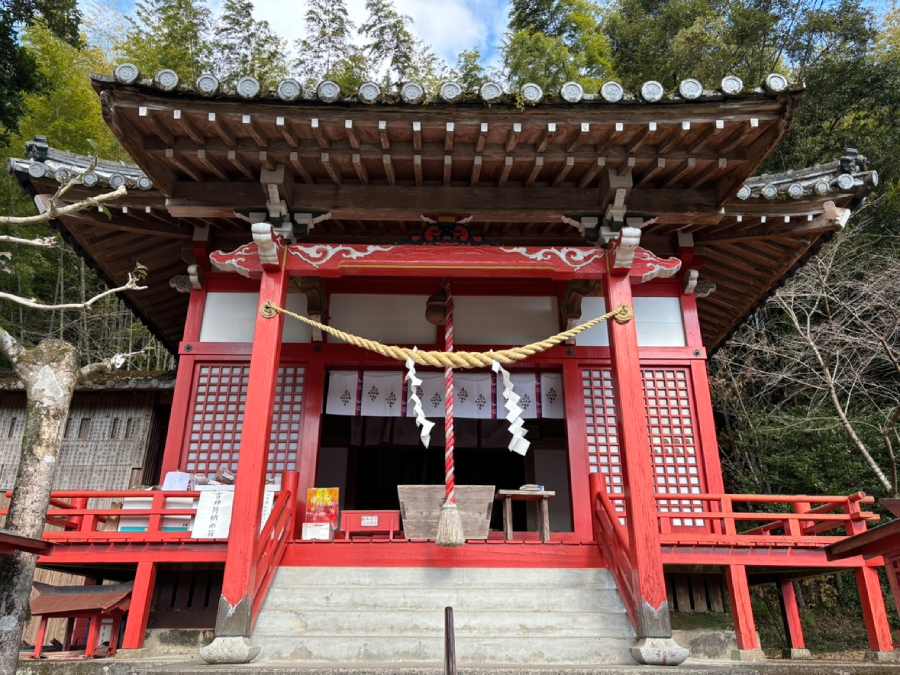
(677, 463)
(217, 418)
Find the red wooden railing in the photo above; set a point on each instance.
(71, 510)
(613, 541)
(811, 521)
(272, 541)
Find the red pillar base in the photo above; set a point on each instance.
(797, 654)
(229, 650)
(883, 657)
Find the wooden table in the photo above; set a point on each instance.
(510, 496)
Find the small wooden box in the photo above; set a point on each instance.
(370, 522)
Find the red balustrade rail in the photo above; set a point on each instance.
(790, 520)
(272, 541)
(613, 542)
(72, 510)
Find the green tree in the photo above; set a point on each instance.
(469, 71)
(326, 51)
(552, 42)
(18, 71)
(389, 41)
(244, 46)
(66, 109)
(170, 34)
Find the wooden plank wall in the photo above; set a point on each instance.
(696, 593)
(105, 443)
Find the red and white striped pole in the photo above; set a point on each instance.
(449, 435)
(450, 531)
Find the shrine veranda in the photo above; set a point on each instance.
(538, 216)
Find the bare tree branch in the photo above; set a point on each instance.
(54, 212)
(43, 242)
(112, 363)
(133, 284)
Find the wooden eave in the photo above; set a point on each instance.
(396, 162)
(746, 244)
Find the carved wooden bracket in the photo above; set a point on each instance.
(622, 250)
(268, 244)
(185, 283)
(694, 285)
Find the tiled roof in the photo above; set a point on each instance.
(452, 92)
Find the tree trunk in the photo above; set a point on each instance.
(49, 372)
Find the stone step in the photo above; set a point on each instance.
(400, 649)
(430, 623)
(472, 598)
(299, 577)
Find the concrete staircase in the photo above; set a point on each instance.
(394, 616)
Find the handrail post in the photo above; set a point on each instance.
(81, 523)
(727, 520)
(449, 643)
(290, 481)
(154, 525)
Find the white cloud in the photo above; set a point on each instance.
(448, 26)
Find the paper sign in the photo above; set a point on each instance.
(323, 506)
(213, 519)
(369, 521)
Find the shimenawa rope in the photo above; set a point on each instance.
(436, 359)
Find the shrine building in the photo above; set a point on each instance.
(587, 472)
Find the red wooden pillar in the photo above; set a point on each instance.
(742, 610)
(40, 638)
(651, 604)
(114, 634)
(875, 616)
(139, 610)
(93, 636)
(234, 618)
(796, 648)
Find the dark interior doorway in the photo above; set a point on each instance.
(368, 457)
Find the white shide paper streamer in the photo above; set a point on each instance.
(511, 399)
(414, 382)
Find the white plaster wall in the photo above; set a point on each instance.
(396, 319)
(504, 319)
(659, 322)
(231, 317)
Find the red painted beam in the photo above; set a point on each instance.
(426, 554)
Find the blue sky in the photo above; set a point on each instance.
(449, 26)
